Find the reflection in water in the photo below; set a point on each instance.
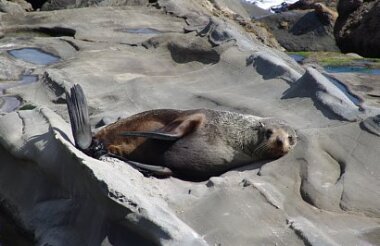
(34, 55)
(359, 66)
(143, 30)
(352, 69)
(297, 58)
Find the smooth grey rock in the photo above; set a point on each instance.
(10, 7)
(271, 66)
(326, 95)
(372, 124)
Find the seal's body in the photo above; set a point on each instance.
(194, 143)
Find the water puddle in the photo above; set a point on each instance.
(34, 55)
(143, 30)
(352, 69)
(357, 66)
(6, 85)
(28, 79)
(297, 58)
(25, 79)
(9, 103)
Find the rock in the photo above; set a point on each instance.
(24, 4)
(242, 14)
(314, 85)
(9, 70)
(180, 55)
(356, 28)
(354, 55)
(372, 124)
(10, 7)
(302, 4)
(304, 30)
(65, 4)
(325, 14)
(309, 4)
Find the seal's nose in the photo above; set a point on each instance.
(279, 142)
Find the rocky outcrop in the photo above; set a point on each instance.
(357, 27)
(309, 4)
(304, 30)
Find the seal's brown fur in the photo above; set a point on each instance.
(208, 142)
(195, 143)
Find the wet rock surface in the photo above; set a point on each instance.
(135, 58)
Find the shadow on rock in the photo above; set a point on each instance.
(183, 54)
(308, 23)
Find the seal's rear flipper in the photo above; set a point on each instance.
(146, 169)
(78, 112)
(173, 131)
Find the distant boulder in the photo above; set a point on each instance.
(307, 27)
(357, 27)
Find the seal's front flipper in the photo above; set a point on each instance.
(146, 169)
(153, 135)
(174, 130)
(78, 112)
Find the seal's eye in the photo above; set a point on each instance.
(268, 133)
(291, 140)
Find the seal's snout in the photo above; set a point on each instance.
(279, 141)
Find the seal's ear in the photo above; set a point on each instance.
(174, 130)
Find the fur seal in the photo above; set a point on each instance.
(196, 143)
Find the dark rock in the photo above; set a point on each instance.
(302, 4)
(303, 30)
(357, 27)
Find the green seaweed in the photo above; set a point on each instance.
(27, 107)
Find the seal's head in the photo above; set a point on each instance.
(275, 139)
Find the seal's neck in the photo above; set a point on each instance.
(241, 131)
